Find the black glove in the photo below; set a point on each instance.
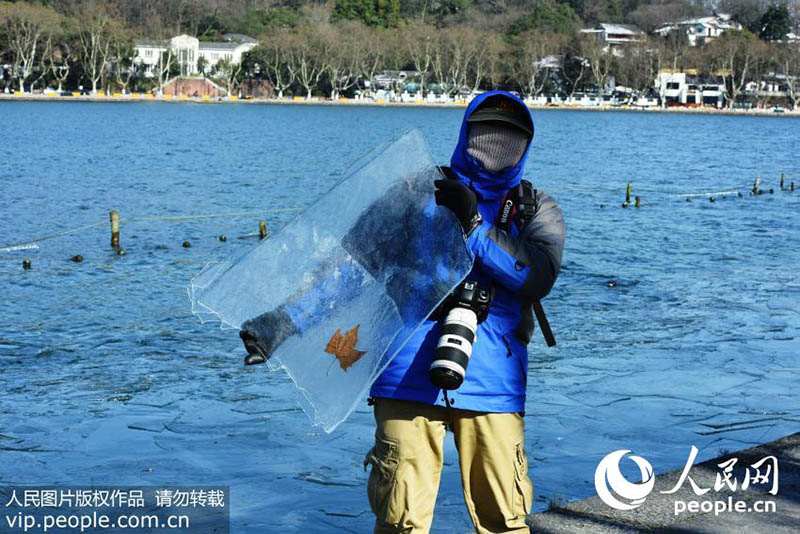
(461, 200)
(263, 334)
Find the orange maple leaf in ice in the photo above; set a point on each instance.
(343, 347)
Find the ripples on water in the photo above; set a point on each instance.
(107, 378)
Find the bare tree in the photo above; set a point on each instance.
(62, 53)
(789, 65)
(60, 62)
(763, 72)
(307, 62)
(41, 70)
(376, 47)
(343, 56)
(531, 49)
(277, 54)
(229, 72)
(26, 26)
(454, 55)
(674, 47)
(96, 30)
(638, 68)
(497, 60)
(574, 67)
(600, 59)
(441, 61)
(420, 42)
(123, 55)
(734, 52)
(167, 66)
(484, 56)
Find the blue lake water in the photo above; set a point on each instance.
(107, 378)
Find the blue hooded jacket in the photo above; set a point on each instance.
(521, 264)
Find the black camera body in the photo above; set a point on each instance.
(471, 296)
(463, 310)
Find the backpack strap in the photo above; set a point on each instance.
(544, 324)
(519, 206)
(528, 202)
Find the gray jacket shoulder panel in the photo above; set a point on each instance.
(543, 237)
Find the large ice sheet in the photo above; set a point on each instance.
(339, 290)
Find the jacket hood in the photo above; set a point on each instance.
(490, 185)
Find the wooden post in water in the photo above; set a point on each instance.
(114, 216)
(262, 229)
(783, 178)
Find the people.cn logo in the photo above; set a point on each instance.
(614, 489)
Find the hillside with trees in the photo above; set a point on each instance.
(331, 48)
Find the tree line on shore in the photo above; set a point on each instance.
(456, 46)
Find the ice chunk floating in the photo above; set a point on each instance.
(337, 292)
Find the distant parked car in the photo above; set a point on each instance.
(779, 109)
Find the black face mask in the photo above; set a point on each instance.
(495, 144)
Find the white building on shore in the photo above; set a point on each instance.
(615, 36)
(684, 89)
(187, 52)
(700, 30)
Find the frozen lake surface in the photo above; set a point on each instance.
(106, 377)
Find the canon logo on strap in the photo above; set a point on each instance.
(506, 211)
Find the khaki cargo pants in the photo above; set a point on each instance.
(407, 461)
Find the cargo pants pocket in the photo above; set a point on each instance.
(523, 494)
(384, 458)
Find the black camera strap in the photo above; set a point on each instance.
(519, 207)
(544, 324)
